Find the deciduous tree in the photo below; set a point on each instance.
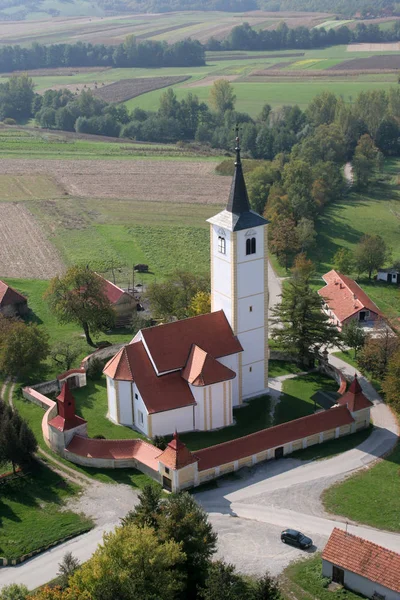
(79, 297)
(222, 96)
(354, 336)
(371, 254)
(283, 239)
(378, 351)
(23, 347)
(172, 298)
(200, 304)
(343, 261)
(391, 382)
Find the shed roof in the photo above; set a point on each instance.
(9, 296)
(364, 558)
(112, 291)
(345, 297)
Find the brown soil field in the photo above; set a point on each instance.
(189, 182)
(144, 36)
(125, 89)
(389, 47)
(244, 56)
(74, 87)
(266, 74)
(24, 250)
(210, 80)
(377, 63)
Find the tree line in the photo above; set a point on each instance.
(160, 6)
(244, 37)
(348, 8)
(131, 53)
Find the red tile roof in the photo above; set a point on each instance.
(170, 344)
(273, 437)
(202, 369)
(115, 450)
(345, 297)
(112, 291)
(364, 558)
(66, 418)
(9, 296)
(177, 455)
(160, 393)
(354, 398)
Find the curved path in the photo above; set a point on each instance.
(263, 500)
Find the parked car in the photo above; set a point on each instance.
(296, 538)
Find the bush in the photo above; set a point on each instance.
(160, 442)
(95, 369)
(9, 121)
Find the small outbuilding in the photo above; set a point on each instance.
(345, 301)
(12, 303)
(362, 566)
(389, 275)
(122, 302)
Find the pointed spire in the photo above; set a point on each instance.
(238, 201)
(355, 387)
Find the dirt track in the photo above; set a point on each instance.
(24, 250)
(151, 180)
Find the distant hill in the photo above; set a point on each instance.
(343, 7)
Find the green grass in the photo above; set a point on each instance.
(333, 447)
(303, 580)
(277, 368)
(31, 515)
(296, 400)
(33, 414)
(251, 417)
(371, 497)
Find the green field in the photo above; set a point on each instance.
(359, 498)
(297, 399)
(32, 513)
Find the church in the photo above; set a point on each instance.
(188, 375)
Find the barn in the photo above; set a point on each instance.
(12, 303)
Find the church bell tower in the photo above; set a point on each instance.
(239, 283)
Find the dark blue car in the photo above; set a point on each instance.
(296, 538)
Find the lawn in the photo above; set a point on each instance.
(297, 401)
(32, 515)
(303, 580)
(277, 368)
(252, 416)
(371, 497)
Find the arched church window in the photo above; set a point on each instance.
(221, 245)
(250, 246)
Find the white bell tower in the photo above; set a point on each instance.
(239, 283)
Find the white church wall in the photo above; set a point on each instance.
(125, 403)
(179, 419)
(212, 410)
(140, 411)
(253, 343)
(112, 400)
(232, 362)
(221, 271)
(253, 379)
(200, 411)
(251, 312)
(250, 278)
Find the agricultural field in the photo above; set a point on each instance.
(131, 88)
(111, 30)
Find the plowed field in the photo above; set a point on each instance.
(125, 89)
(150, 180)
(374, 63)
(24, 250)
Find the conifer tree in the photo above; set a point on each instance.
(301, 327)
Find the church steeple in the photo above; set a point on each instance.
(238, 201)
(238, 214)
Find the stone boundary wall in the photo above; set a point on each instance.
(102, 354)
(48, 405)
(332, 371)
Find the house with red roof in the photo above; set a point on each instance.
(12, 303)
(123, 303)
(362, 566)
(345, 301)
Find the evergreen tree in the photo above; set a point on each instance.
(302, 326)
(223, 583)
(147, 511)
(267, 588)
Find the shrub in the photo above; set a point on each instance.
(9, 121)
(95, 369)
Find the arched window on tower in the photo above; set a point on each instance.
(221, 244)
(250, 246)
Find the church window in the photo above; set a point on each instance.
(136, 397)
(140, 417)
(250, 309)
(250, 246)
(250, 369)
(166, 470)
(221, 245)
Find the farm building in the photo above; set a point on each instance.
(362, 566)
(188, 375)
(12, 303)
(123, 303)
(389, 275)
(346, 301)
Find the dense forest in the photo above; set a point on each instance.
(244, 37)
(129, 54)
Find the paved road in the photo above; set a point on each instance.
(247, 513)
